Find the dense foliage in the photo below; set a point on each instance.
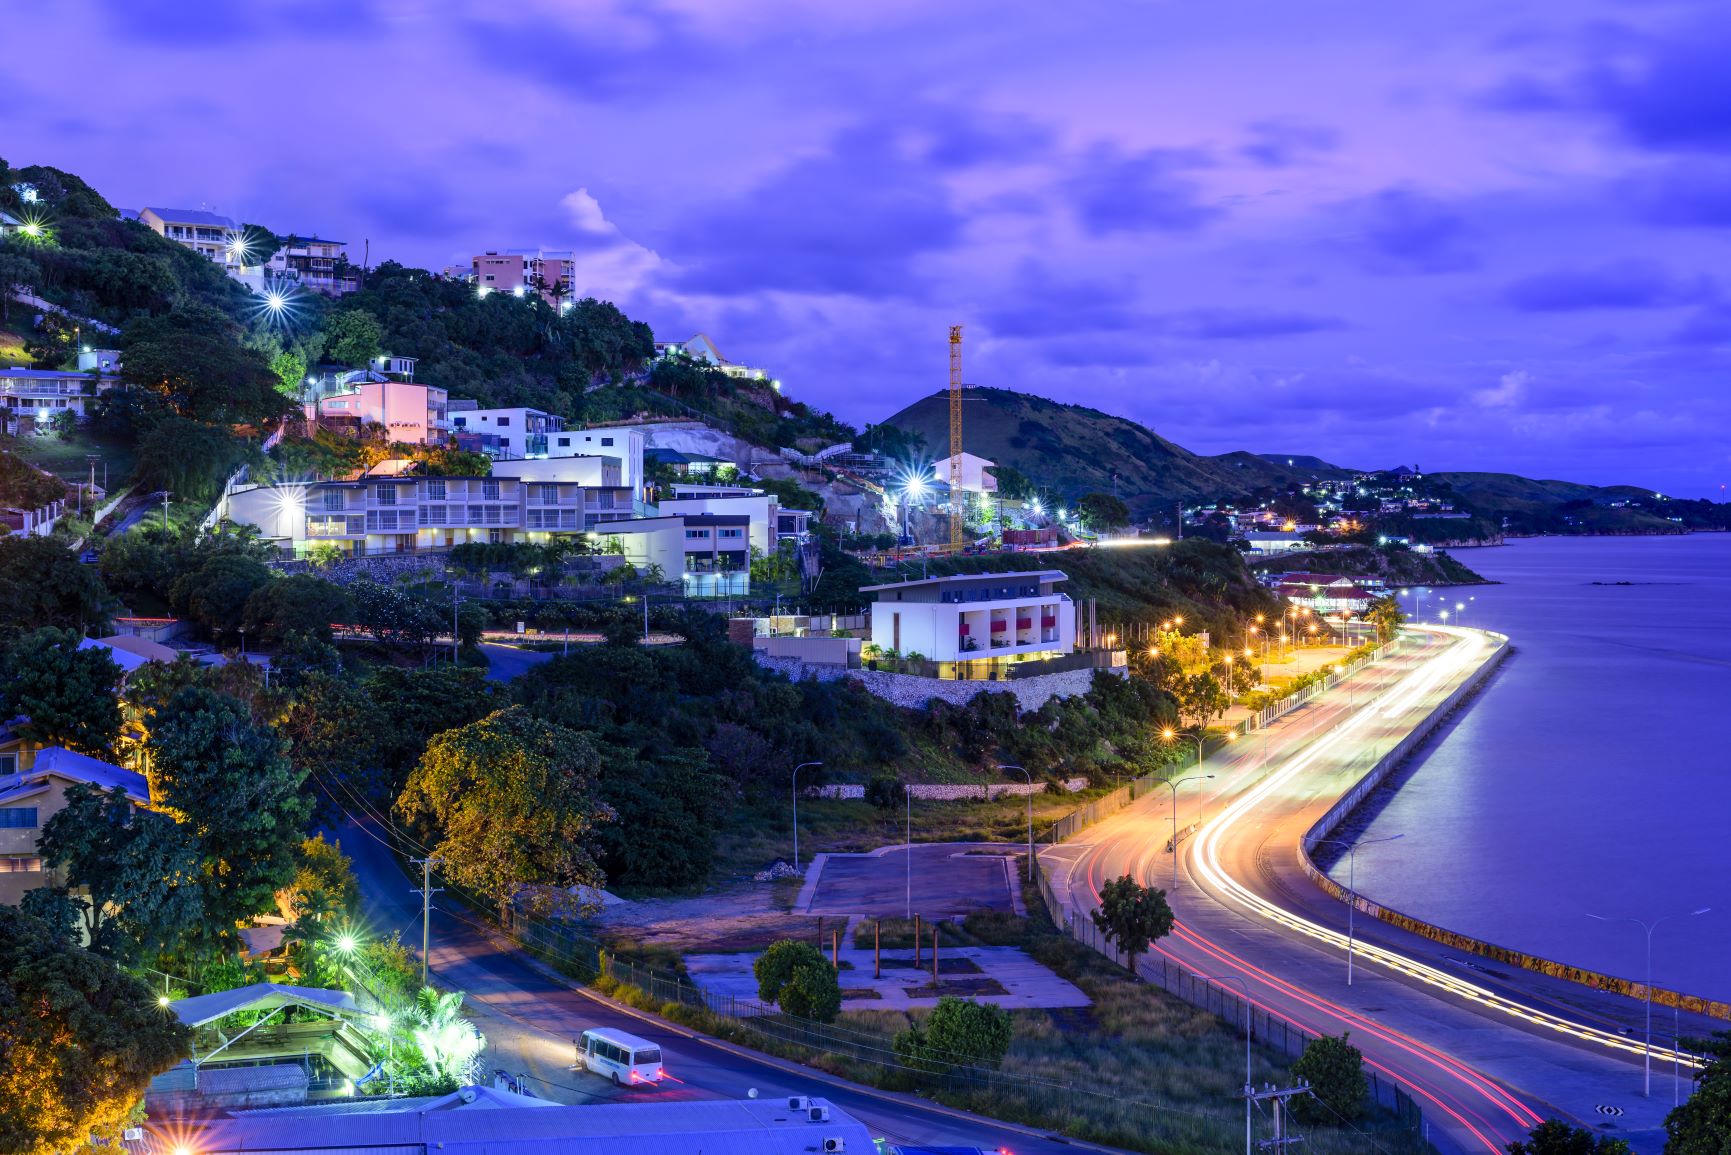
(796, 977)
(65, 695)
(958, 1032)
(1132, 916)
(1702, 1124)
(1334, 1068)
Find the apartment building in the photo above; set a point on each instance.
(709, 553)
(623, 443)
(409, 413)
(768, 520)
(30, 796)
(973, 625)
(317, 264)
(29, 398)
(411, 514)
(505, 433)
(210, 235)
(549, 272)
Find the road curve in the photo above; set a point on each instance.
(1426, 1019)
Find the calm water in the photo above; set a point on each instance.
(1592, 773)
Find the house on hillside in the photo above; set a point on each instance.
(975, 626)
(701, 348)
(210, 235)
(30, 796)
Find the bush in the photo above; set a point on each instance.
(885, 792)
(812, 992)
(1334, 1068)
(958, 1032)
(774, 967)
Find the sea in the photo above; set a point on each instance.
(1592, 774)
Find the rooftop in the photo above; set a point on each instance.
(1044, 575)
(190, 217)
(64, 763)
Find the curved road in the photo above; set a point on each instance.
(531, 1015)
(1459, 1034)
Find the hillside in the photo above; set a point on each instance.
(1527, 506)
(1397, 567)
(1316, 465)
(1070, 450)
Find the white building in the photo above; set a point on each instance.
(622, 442)
(976, 473)
(517, 431)
(408, 413)
(708, 554)
(1275, 541)
(29, 398)
(701, 348)
(411, 514)
(977, 623)
(211, 235)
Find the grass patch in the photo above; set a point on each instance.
(66, 457)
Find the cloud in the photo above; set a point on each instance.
(1114, 192)
(1246, 324)
(1692, 193)
(607, 263)
(1510, 389)
(1708, 325)
(854, 219)
(1281, 143)
(1042, 302)
(1402, 230)
(1624, 284)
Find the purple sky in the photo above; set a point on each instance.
(1471, 235)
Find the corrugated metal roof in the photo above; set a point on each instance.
(190, 217)
(201, 1009)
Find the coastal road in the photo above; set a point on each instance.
(531, 1015)
(1486, 1053)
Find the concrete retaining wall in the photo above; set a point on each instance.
(1375, 777)
(1031, 693)
(951, 792)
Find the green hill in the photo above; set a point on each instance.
(1070, 450)
(1529, 506)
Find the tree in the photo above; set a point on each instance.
(448, 1042)
(1132, 916)
(142, 873)
(796, 977)
(82, 1039)
(1201, 699)
(299, 603)
(217, 593)
(885, 792)
(669, 805)
(15, 271)
(958, 1032)
(1702, 1124)
(190, 459)
(290, 367)
(1102, 511)
(1334, 1068)
(1555, 1137)
(1385, 614)
(353, 337)
(42, 583)
(230, 781)
(66, 695)
(194, 358)
(510, 804)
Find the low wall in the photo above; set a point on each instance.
(1374, 778)
(1031, 693)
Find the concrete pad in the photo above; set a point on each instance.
(937, 880)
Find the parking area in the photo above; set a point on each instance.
(935, 880)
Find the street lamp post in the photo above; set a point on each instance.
(1173, 786)
(1647, 1047)
(1247, 1089)
(795, 781)
(1030, 797)
(1352, 889)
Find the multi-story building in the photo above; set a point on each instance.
(550, 272)
(622, 443)
(709, 553)
(505, 433)
(29, 398)
(319, 265)
(975, 625)
(211, 235)
(409, 413)
(410, 514)
(32, 794)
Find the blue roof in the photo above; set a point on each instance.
(80, 768)
(191, 217)
(45, 374)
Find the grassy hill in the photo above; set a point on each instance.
(1070, 450)
(1544, 506)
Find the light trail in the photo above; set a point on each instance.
(1409, 692)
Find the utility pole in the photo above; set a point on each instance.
(427, 891)
(1278, 1096)
(165, 505)
(454, 633)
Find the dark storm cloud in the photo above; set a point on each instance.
(1112, 191)
(1625, 284)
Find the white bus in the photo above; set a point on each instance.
(626, 1059)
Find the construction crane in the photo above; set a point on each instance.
(957, 501)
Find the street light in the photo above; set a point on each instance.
(1173, 786)
(796, 771)
(1352, 888)
(1247, 1090)
(1647, 1048)
(1030, 797)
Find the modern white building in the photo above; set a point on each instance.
(315, 264)
(29, 398)
(701, 348)
(708, 554)
(412, 514)
(759, 508)
(622, 442)
(1275, 541)
(976, 476)
(517, 431)
(211, 235)
(975, 623)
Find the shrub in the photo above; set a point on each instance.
(884, 792)
(957, 1032)
(775, 966)
(812, 992)
(1334, 1068)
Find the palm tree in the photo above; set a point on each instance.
(448, 1042)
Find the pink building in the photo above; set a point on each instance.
(409, 413)
(550, 272)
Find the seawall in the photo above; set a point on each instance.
(1376, 776)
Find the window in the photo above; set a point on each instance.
(333, 499)
(460, 422)
(731, 532)
(607, 441)
(504, 423)
(564, 443)
(436, 489)
(549, 494)
(20, 866)
(17, 817)
(490, 490)
(386, 494)
(8, 763)
(694, 534)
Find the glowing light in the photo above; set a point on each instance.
(346, 943)
(275, 302)
(162, 1000)
(1169, 733)
(517, 292)
(481, 291)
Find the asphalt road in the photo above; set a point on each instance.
(531, 1016)
(507, 662)
(1486, 1051)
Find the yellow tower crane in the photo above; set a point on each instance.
(957, 501)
